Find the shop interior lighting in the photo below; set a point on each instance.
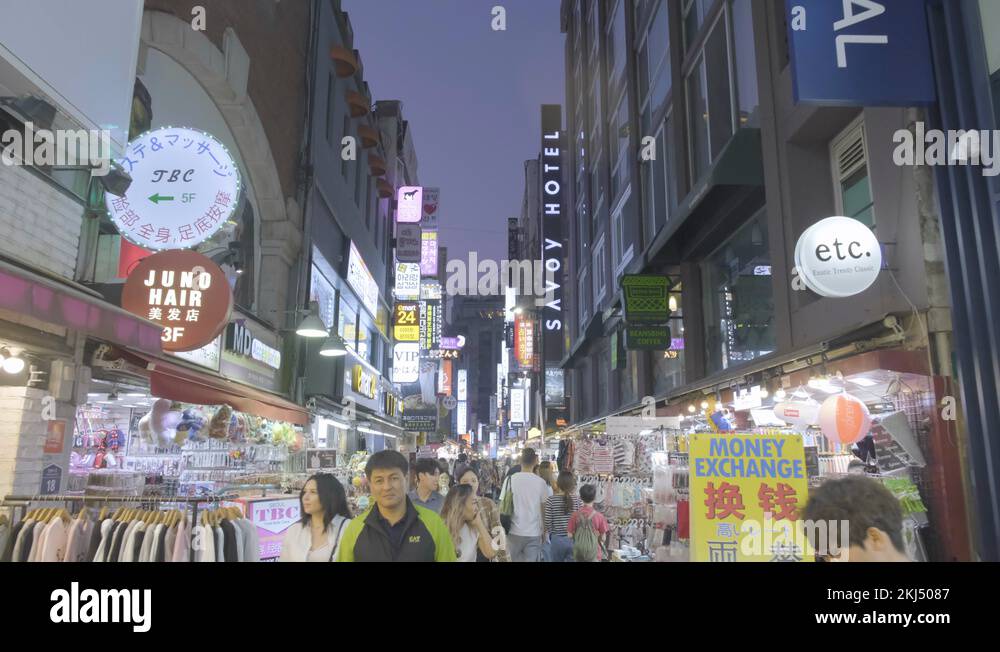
(339, 424)
(311, 325)
(370, 431)
(704, 405)
(334, 346)
(863, 382)
(692, 408)
(13, 363)
(780, 394)
(673, 303)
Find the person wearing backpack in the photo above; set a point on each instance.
(588, 528)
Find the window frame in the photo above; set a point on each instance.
(857, 126)
(599, 263)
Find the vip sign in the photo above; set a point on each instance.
(838, 257)
(364, 382)
(406, 327)
(185, 293)
(410, 204)
(185, 187)
(407, 281)
(406, 363)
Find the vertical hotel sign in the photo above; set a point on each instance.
(552, 231)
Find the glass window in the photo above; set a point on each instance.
(668, 366)
(603, 361)
(616, 48)
(600, 274)
(331, 104)
(654, 76)
(720, 109)
(850, 165)
(745, 62)
(619, 140)
(990, 14)
(738, 298)
(594, 16)
(347, 324)
(697, 121)
(583, 292)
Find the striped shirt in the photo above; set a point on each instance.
(556, 516)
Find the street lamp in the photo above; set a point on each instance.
(311, 325)
(333, 346)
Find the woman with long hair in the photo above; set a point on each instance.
(461, 514)
(325, 514)
(489, 512)
(558, 510)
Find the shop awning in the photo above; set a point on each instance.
(344, 61)
(48, 300)
(179, 383)
(357, 103)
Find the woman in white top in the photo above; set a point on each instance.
(468, 532)
(325, 514)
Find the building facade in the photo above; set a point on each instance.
(689, 158)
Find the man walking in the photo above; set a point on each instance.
(393, 528)
(426, 493)
(529, 494)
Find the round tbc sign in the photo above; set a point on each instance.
(182, 291)
(838, 257)
(185, 186)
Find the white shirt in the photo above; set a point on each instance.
(297, 543)
(530, 491)
(470, 542)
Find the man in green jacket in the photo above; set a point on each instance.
(393, 528)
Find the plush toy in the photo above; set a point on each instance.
(218, 428)
(191, 426)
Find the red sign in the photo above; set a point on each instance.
(55, 436)
(182, 291)
(524, 342)
(444, 384)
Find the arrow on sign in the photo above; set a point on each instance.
(157, 198)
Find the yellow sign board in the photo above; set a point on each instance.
(746, 495)
(407, 326)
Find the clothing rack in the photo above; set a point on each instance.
(24, 501)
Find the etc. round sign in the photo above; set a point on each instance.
(182, 291)
(185, 187)
(838, 257)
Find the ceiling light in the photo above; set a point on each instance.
(704, 405)
(338, 424)
(780, 394)
(15, 363)
(138, 394)
(311, 325)
(692, 408)
(863, 382)
(369, 431)
(333, 347)
(672, 304)
(764, 393)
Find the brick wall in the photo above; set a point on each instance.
(276, 38)
(40, 224)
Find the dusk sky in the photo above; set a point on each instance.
(472, 97)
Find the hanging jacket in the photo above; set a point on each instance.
(424, 537)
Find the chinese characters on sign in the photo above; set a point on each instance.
(184, 292)
(185, 187)
(746, 493)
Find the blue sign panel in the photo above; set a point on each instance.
(51, 480)
(860, 52)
